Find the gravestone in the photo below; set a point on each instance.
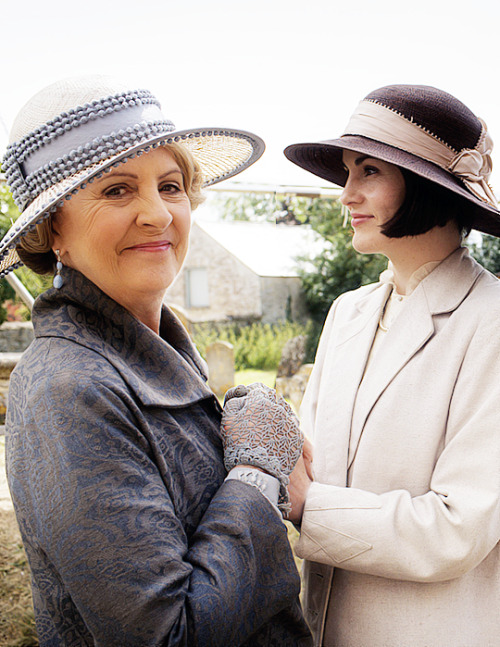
(220, 360)
(292, 388)
(292, 356)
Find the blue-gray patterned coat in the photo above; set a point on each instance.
(114, 462)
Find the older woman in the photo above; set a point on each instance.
(401, 524)
(134, 531)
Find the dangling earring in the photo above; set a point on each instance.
(58, 280)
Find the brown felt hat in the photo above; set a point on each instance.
(421, 129)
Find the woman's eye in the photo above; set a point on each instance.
(170, 187)
(115, 191)
(370, 170)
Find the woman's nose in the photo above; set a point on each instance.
(154, 211)
(349, 193)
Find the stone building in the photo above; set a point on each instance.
(242, 271)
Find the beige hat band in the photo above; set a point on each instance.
(472, 166)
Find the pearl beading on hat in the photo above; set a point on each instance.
(26, 188)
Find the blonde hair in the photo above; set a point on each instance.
(35, 247)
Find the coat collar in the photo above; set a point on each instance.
(164, 370)
(452, 280)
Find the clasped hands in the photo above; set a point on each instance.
(260, 429)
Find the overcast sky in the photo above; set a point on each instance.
(289, 70)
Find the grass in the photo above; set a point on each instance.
(249, 376)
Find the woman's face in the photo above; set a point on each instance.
(128, 231)
(373, 193)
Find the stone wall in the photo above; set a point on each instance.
(15, 336)
(234, 290)
(280, 294)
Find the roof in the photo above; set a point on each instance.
(267, 249)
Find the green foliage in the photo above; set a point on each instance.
(487, 252)
(34, 283)
(339, 267)
(256, 346)
(8, 210)
(246, 207)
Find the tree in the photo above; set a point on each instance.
(33, 282)
(338, 268)
(245, 207)
(487, 252)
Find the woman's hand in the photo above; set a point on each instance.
(300, 480)
(260, 429)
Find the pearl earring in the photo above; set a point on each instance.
(58, 280)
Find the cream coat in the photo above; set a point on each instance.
(415, 535)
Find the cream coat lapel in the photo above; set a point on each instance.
(346, 354)
(409, 332)
(441, 292)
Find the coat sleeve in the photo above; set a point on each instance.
(111, 537)
(442, 533)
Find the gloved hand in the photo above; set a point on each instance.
(259, 428)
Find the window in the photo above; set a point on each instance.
(197, 288)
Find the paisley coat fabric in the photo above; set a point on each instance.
(115, 466)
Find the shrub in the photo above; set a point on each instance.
(256, 346)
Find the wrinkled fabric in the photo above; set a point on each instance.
(115, 465)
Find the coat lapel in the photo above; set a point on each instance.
(346, 356)
(409, 332)
(441, 292)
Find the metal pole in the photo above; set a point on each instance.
(20, 290)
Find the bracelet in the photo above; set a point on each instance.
(268, 485)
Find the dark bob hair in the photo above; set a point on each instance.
(427, 205)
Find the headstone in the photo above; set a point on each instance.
(292, 388)
(292, 356)
(220, 360)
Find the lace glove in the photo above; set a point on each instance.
(260, 429)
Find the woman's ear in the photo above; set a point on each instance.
(56, 236)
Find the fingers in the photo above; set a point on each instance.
(242, 390)
(297, 488)
(235, 392)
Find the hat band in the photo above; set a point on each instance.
(472, 166)
(85, 135)
(88, 139)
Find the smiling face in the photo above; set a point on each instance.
(128, 231)
(373, 193)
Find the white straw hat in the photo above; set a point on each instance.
(74, 130)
